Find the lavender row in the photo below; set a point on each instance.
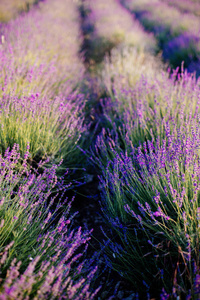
(148, 156)
(40, 69)
(176, 32)
(41, 251)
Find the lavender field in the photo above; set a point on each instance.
(100, 149)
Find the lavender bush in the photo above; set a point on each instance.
(141, 102)
(151, 201)
(51, 127)
(40, 252)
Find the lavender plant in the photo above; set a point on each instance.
(51, 127)
(140, 105)
(40, 252)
